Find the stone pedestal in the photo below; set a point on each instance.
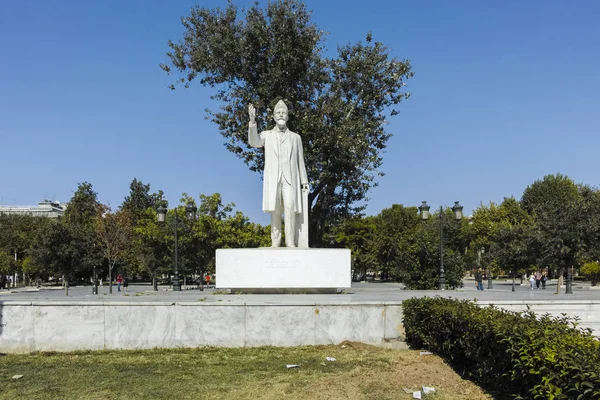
(283, 270)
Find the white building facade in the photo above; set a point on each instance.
(45, 208)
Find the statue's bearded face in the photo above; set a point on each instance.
(280, 116)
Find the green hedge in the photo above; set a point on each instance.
(512, 355)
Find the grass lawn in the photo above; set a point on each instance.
(359, 372)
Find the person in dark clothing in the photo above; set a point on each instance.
(479, 280)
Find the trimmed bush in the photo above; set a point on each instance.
(513, 355)
(591, 271)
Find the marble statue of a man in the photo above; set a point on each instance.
(285, 179)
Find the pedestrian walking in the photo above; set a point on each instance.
(532, 280)
(119, 282)
(479, 279)
(538, 278)
(544, 279)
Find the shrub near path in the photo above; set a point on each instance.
(359, 372)
(514, 355)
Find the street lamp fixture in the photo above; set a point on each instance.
(490, 282)
(569, 285)
(190, 211)
(513, 278)
(457, 209)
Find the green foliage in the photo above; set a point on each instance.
(507, 235)
(82, 207)
(6, 263)
(357, 234)
(517, 355)
(555, 203)
(31, 267)
(140, 199)
(218, 226)
(57, 249)
(397, 242)
(589, 225)
(591, 270)
(400, 246)
(338, 105)
(80, 241)
(146, 251)
(113, 233)
(149, 252)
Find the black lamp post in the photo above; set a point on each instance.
(490, 283)
(424, 210)
(569, 286)
(513, 281)
(190, 210)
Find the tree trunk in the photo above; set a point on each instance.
(560, 280)
(110, 267)
(318, 214)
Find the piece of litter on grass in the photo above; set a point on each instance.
(17, 376)
(409, 391)
(428, 389)
(343, 346)
(292, 365)
(330, 358)
(417, 394)
(425, 353)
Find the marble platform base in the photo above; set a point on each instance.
(27, 326)
(283, 270)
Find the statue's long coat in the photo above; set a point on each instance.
(271, 174)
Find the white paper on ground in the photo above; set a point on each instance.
(330, 358)
(417, 395)
(292, 365)
(428, 389)
(425, 353)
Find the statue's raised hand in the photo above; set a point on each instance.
(252, 113)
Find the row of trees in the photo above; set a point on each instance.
(553, 227)
(92, 239)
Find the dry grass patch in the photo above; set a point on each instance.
(359, 372)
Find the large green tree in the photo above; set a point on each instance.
(218, 226)
(506, 234)
(17, 235)
(140, 199)
(113, 232)
(79, 220)
(140, 205)
(358, 234)
(555, 203)
(590, 223)
(339, 105)
(57, 251)
(398, 242)
(150, 244)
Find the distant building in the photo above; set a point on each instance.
(45, 208)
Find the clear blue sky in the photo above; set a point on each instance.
(504, 93)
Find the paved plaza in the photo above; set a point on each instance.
(359, 293)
